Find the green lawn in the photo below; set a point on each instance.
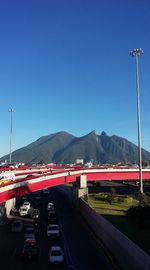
(103, 207)
(116, 214)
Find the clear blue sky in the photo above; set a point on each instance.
(65, 66)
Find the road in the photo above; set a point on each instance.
(80, 249)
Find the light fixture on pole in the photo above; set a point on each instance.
(11, 111)
(137, 53)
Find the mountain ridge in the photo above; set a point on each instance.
(63, 147)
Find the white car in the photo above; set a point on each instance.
(56, 255)
(23, 211)
(50, 206)
(27, 205)
(53, 230)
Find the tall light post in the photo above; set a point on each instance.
(136, 53)
(11, 111)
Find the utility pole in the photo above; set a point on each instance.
(136, 53)
(11, 111)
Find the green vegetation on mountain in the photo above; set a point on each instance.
(65, 148)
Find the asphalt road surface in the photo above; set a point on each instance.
(80, 249)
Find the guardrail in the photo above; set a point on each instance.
(123, 252)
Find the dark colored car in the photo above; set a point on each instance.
(37, 200)
(17, 226)
(29, 233)
(51, 216)
(30, 249)
(35, 214)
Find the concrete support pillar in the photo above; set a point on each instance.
(10, 204)
(80, 189)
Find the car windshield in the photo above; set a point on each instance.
(55, 227)
(56, 253)
(29, 230)
(23, 209)
(26, 203)
(51, 213)
(30, 245)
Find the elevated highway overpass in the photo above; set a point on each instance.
(28, 181)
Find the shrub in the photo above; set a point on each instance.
(101, 196)
(110, 198)
(128, 200)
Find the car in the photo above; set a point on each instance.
(29, 233)
(37, 200)
(51, 216)
(30, 249)
(27, 205)
(17, 226)
(24, 199)
(23, 211)
(53, 230)
(35, 214)
(46, 191)
(27, 224)
(35, 223)
(56, 255)
(50, 206)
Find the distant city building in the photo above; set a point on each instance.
(88, 164)
(79, 161)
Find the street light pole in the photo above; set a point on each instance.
(137, 53)
(11, 111)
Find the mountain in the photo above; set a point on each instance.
(65, 148)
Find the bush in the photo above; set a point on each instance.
(128, 200)
(120, 199)
(109, 198)
(101, 196)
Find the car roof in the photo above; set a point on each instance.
(26, 203)
(51, 211)
(36, 211)
(23, 208)
(55, 248)
(52, 225)
(30, 240)
(29, 228)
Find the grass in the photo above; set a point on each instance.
(115, 213)
(103, 207)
